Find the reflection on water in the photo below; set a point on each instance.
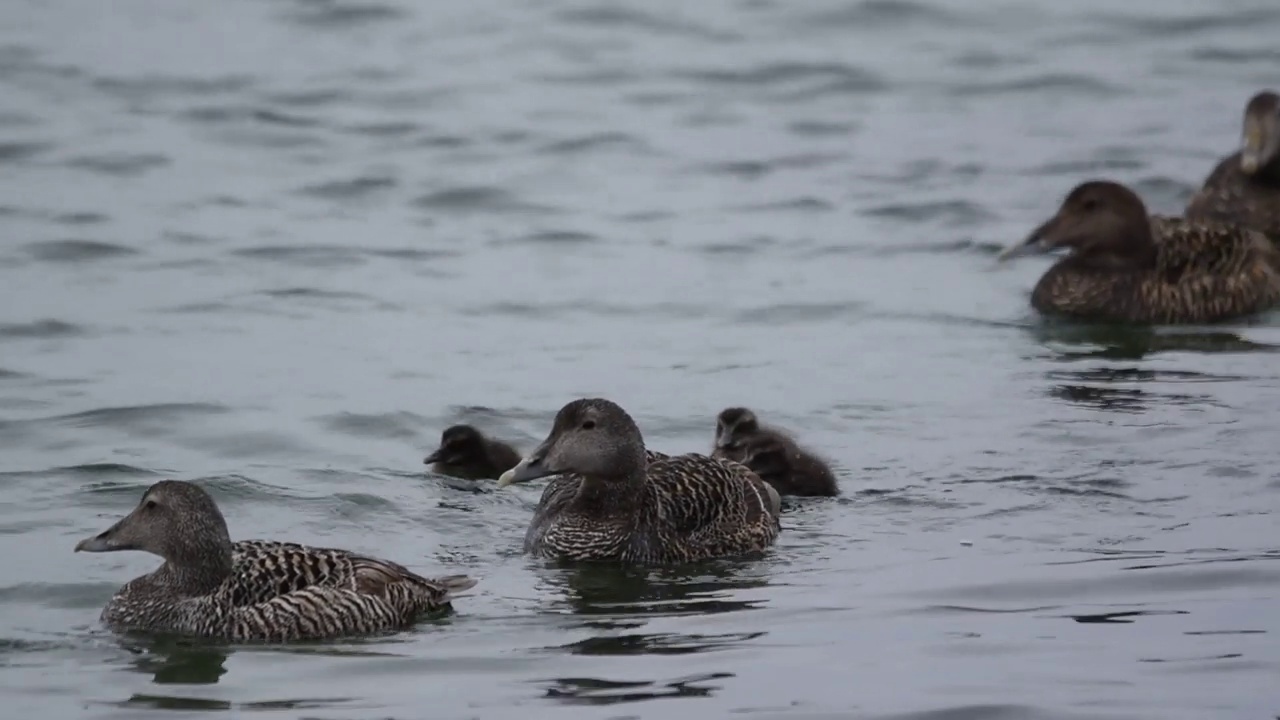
(1121, 342)
(1111, 389)
(179, 661)
(603, 592)
(590, 691)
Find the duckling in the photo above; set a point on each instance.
(776, 458)
(1125, 266)
(615, 503)
(1245, 187)
(466, 453)
(212, 588)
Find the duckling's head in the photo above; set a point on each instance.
(1102, 221)
(458, 444)
(592, 437)
(733, 425)
(1260, 144)
(176, 520)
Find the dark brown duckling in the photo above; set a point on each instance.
(466, 453)
(776, 458)
(1125, 266)
(1245, 187)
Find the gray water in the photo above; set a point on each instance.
(276, 247)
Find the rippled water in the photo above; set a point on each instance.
(276, 247)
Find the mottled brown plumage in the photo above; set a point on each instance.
(772, 455)
(615, 503)
(466, 453)
(253, 590)
(1244, 188)
(1125, 266)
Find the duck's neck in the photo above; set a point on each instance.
(613, 495)
(198, 575)
(1268, 174)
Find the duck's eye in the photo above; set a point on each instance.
(1090, 204)
(149, 505)
(589, 425)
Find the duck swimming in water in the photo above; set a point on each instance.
(1125, 266)
(772, 455)
(615, 503)
(466, 453)
(212, 588)
(1245, 187)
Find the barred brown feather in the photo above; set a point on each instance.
(255, 589)
(1129, 267)
(619, 502)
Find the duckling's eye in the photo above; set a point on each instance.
(589, 425)
(1090, 204)
(149, 505)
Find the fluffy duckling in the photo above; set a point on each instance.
(776, 458)
(617, 503)
(1245, 187)
(466, 453)
(1125, 266)
(210, 587)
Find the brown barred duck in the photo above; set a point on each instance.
(253, 590)
(1125, 266)
(616, 503)
(466, 453)
(772, 455)
(1245, 187)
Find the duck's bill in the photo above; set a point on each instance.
(1251, 149)
(432, 459)
(530, 468)
(102, 542)
(1037, 243)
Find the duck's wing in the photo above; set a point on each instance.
(264, 570)
(703, 506)
(315, 613)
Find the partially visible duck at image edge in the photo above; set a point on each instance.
(1126, 266)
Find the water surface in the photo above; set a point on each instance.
(276, 247)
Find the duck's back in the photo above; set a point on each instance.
(1204, 272)
(1230, 195)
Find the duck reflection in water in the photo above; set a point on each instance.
(610, 598)
(615, 601)
(179, 661)
(1132, 342)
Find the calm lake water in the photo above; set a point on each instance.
(276, 247)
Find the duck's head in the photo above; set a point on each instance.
(176, 520)
(592, 437)
(458, 444)
(733, 425)
(1100, 220)
(1260, 142)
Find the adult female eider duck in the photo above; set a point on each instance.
(466, 453)
(615, 503)
(253, 590)
(1125, 266)
(1245, 187)
(772, 455)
